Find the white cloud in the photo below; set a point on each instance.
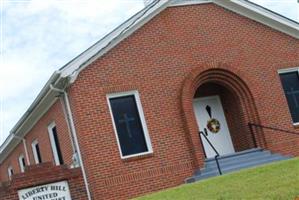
(41, 36)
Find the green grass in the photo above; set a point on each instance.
(274, 181)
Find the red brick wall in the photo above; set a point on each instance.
(166, 61)
(43, 174)
(159, 60)
(40, 132)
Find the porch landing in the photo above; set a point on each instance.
(235, 162)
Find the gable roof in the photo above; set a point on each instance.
(242, 7)
(68, 73)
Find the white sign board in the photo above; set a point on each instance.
(53, 191)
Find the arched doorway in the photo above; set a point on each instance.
(223, 93)
(220, 116)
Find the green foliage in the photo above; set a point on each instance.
(277, 181)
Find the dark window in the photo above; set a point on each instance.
(57, 145)
(128, 125)
(290, 83)
(39, 156)
(23, 162)
(10, 172)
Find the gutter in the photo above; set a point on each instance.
(262, 15)
(53, 79)
(74, 135)
(15, 130)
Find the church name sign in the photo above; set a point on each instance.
(53, 191)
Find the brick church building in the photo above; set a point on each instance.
(179, 83)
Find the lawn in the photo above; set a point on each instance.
(273, 181)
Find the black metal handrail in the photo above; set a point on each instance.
(252, 134)
(251, 125)
(217, 154)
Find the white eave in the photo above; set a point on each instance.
(46, 97)
(262, 15)
(242, 7)
(114, 37)
(37, 109)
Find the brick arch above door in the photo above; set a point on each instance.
(221, 74)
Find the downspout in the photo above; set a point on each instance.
(25, 147)
(74, 158)
(74, 133)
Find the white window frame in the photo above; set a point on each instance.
(10, 172)
(22, 167)
(53, 143)
(284, 71)
(135, 93)
(33, 145)
(288, 70)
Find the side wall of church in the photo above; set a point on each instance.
(40, 132)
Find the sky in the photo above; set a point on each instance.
(38, 37)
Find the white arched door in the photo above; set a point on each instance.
(210, 116)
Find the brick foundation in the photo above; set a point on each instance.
(44, 174)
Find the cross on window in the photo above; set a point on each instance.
(127, 121)
(293, 93)
(128, 124)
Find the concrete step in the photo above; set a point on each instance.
(253, 163)
(243, 165)
(231, 158)
(237, 154)
(205, 175)
(236, 162)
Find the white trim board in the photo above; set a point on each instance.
(53, 143)
(75, 66)
(261, 15)
(34, 150)
(10, 172)
(20, 159)
(175, 3)
(245, 8)
(287, 70)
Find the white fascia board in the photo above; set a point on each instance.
(261, 15)
(5, 144)
(241, 7)
(175, 3)
(263, 11)
(112, 39)
(287, 70)
(11, 142)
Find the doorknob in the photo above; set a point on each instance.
(205, 131)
